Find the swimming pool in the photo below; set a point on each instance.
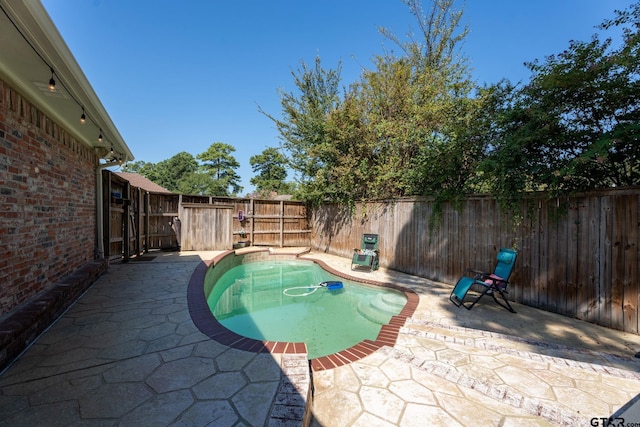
(207, 273)
(279, 300)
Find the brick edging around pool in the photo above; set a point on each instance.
(206, 322)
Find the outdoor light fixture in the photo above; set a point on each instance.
(67, 93)
(52, 83)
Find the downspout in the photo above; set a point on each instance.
(99, 250)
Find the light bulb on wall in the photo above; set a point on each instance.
(83, 118)
(52, 82)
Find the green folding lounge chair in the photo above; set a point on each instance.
(489, 283)
(367, 256)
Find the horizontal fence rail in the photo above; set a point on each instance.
(578, 257)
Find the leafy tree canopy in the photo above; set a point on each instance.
(218, 162)
(417, 124)
(182, 173)
(166, 173)
(271, 169)
(375, 141)
(576, 125)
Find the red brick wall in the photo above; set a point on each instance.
(47, 201)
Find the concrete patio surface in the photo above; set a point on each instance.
(128, 353)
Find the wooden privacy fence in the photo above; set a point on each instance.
(582, 264)
(225, 223)
(137, 221)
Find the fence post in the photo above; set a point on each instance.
(253, 221)
(147, 218)
(106, 209)
(126, 220)
(281, 223)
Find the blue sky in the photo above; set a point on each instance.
(178, 76)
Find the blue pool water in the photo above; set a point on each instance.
(280, 301)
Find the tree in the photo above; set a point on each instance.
(198, 183)
(166, 173)
(436, 51)
(183, 174)
(404, 118)
(376, 142)
(171, 171)
(575, 125)
(439, 155)
(218, 162)
(372, 137)
(272, 172)
(140, 167)
(303, 127)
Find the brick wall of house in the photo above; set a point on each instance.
(47, 201)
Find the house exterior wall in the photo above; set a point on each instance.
(47, 201)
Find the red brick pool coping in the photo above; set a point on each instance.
(206, 322)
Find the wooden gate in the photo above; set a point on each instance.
(206, 227)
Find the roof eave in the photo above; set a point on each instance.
(36, 25)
